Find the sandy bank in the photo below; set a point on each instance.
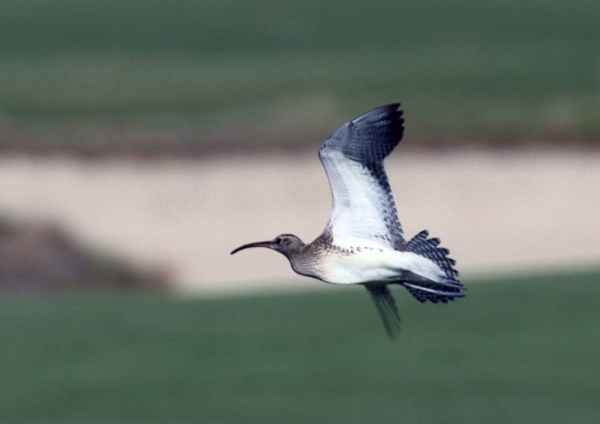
(497, 212)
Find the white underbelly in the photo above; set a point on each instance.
(376, 266)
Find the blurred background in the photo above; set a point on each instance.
(140, 142)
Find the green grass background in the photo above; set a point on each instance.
(468, 69)
(517, 350)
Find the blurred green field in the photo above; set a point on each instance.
(519, 350)
(518, 69)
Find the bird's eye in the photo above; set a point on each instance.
(278, 240)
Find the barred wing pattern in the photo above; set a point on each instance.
(363, 204)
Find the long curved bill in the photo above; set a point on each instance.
(257, 244)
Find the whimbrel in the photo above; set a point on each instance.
(363, 242)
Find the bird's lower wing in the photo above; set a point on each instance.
(386, 306)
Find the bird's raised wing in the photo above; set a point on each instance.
(363, 205)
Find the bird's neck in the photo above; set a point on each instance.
(296, 251)
(303, 264)
(305, 259)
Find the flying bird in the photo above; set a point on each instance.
(363, 242)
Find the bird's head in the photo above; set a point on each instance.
(286, 244)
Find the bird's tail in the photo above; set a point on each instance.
(448, 288)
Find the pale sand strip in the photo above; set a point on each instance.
(497, 212)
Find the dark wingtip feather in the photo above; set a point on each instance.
(390, 107)
(371, 137)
